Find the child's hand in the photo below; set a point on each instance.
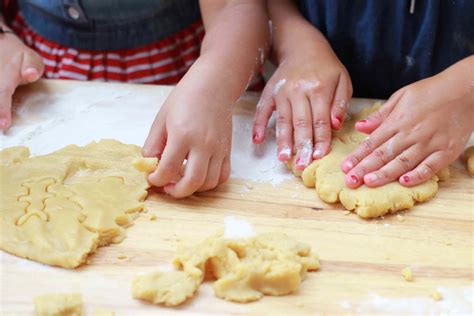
(310, 91)
(422, 128)
(18, 65)
(194, 126)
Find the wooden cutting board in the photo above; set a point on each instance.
(361, 260)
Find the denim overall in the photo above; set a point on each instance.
(108, 24)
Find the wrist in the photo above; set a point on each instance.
(307, 42)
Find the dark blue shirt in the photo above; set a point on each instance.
(385, 47)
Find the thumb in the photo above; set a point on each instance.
(374, 120)
(32, 67)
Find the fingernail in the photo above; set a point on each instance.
(284, 154)
(349, 165)
(371, 177)
(3, 123)
(354, 179)
(339, 118)
(168, 187)
(31, 74)
(255, 136)
(362, 121)
(406, 179)
(318, 153)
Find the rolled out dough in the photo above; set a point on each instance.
(245, 269)
(327, 177)
(58, 208)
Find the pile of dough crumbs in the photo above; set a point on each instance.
(245, 269)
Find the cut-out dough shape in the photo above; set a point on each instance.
(327, 177)
(245, 269)
(58, 208)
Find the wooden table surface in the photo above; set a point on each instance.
(361, 260)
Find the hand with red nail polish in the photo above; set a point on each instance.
(18, 65)
(309, 90)
(421, 129)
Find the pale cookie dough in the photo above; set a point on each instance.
(327, 177)
(245, 270)
(103, 312)
(469, 158)
(59, 305)
(58, 208)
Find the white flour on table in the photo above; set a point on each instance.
(47, 121)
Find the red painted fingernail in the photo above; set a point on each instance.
(255, 136)
(406, 179)
(362, 121)
(339, 118)
(354, 179)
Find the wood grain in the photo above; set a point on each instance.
(361, 260)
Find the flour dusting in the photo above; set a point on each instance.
(237, 228)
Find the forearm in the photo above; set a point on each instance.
(292, 34)
(237, 35)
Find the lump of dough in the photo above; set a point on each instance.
(59, 305)
(469, 158)
(58, 208)
(169, 288)
(326, 176)
(244, 269)
(103, 312)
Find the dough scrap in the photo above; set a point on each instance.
(58, 208)
(103, 312)
(59, 305)
(245, 269)
(469, 158)
(327, 177)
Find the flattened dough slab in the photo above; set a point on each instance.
(58, 208)
(326, 176)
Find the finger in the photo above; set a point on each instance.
(321, 122)
(374, 120)
(340, 102)
(213, 174)
(284, 130)
(265, 108)
(303, 130)
(225, 170)
(8, 83)
(364, 149)
(170, 164)
(194, 177)
(404, 162)
(5, 107)
(32, 67)
(425, 170)
(156, 140)
(380, 157)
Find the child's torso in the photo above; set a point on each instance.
(385, 46)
